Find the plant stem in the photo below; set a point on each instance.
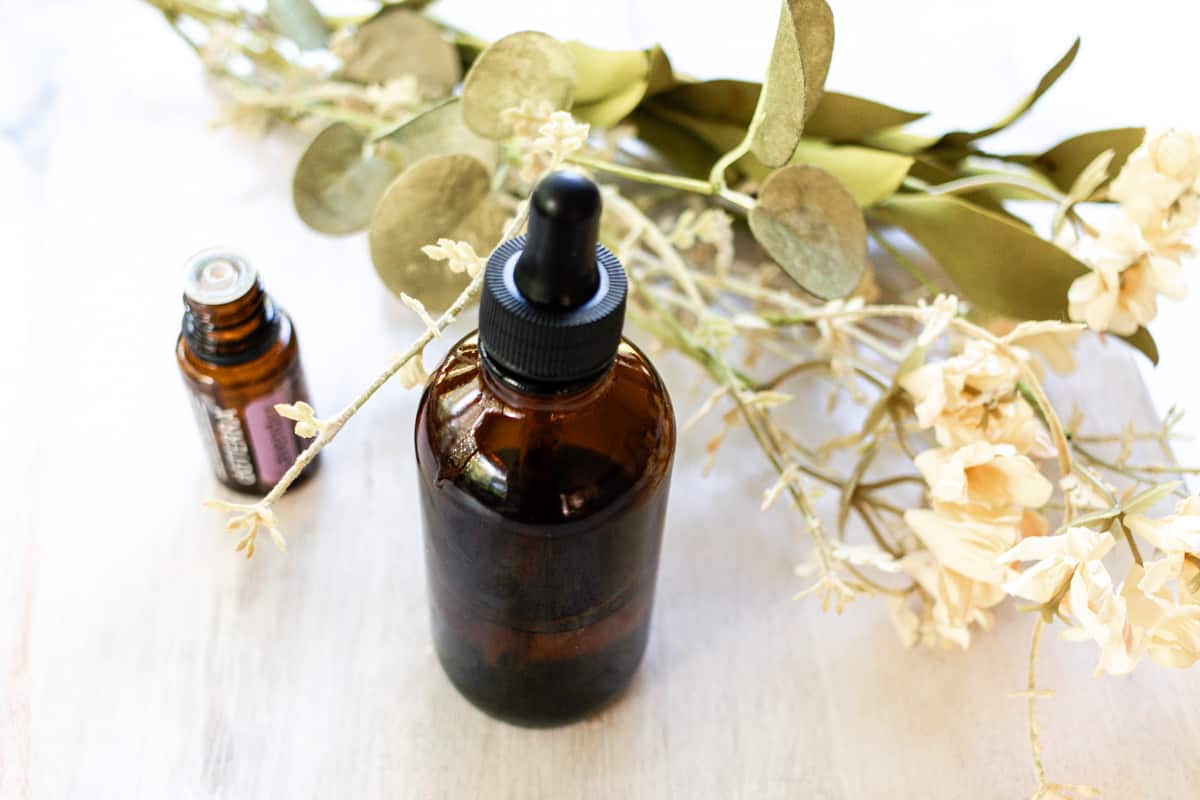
(977, 183)
(1039, 769)
(904, 261)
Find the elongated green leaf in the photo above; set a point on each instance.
(869, 175)
(602, 73)
(1144, 501)
(721, 136)
(688, 153)
(846, 118)
(961, 138)
(336, 183)
(1063, 163)
(807, 221)
(527, 65)
(795, 79)
(1143, 341)
(609, 83)
(398, 42)
(662, 76)
(722, 100)
(995, 263)
(300, 21)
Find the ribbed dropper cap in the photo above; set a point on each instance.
(553, 301)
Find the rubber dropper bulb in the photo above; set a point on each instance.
(558, 269)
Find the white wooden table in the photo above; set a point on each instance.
(140, 658)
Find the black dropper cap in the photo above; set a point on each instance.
(554, 300)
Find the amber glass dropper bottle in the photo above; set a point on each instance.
(239, 357)
(544, 443)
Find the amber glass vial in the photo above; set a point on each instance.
(239, 357)
(543, 494)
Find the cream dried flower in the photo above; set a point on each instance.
(1161, 172)
(967, 541)
(711, 226)
(835, 343)
(418, 308)
(557, 137)
(1058, 558)
(307, 424)
(526, 118)
(1175, 536)
(936, 317)
(221, 46)
(248, 519)
(1070, 572)
(459, 256)
(413, 372)
(1120, 293)
(1008, 422)
(394, 98)
(992, 476)
(1165, 629)
(1101, 615)
(952, 603)
(978, 376)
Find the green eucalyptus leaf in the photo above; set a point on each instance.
(719, 135)
(997, 264)
(300, 21)
(1064, 162)
(959, 139)
(688, 153)
(898, 140)
(811, 225)
(603, 73)
(1144, 342)
(795, 79)
(662, 76)
(438, 131)
(870, 176)
(397, 42)
(522, 66)
(609, 83)
(846, 118)
(722, 100)
(441, 196)
(337, 183)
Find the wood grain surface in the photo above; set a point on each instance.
(140, 658)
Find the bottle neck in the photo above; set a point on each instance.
(234, 332)
(516, 391)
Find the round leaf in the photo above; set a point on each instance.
(399, 42)
(807, 221)
(441, 196)
(335, 185)
(522, 66)
(436, 132)
(795, 79)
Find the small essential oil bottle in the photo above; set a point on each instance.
(239, 357)
(544, 443)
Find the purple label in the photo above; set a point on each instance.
(271, 439)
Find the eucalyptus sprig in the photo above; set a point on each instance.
(414, 157)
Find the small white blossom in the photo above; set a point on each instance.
(307, 424)
(459, 256)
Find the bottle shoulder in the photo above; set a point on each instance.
(545, 458)
(265, 368)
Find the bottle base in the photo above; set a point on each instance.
(539, 693)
